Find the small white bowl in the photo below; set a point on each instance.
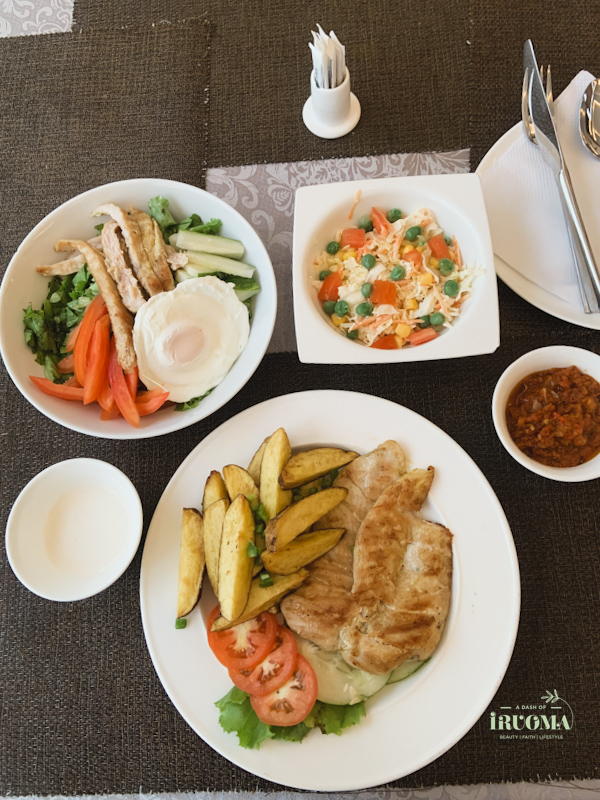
(457, 201)
(22, 285)
(74, 529)
(536, 361)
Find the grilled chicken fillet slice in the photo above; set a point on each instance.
(152, 239)
(119, 269)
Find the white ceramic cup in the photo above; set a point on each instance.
(331, 113)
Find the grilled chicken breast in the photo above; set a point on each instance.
(118, 268)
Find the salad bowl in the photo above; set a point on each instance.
(457, 202)
(22, 285)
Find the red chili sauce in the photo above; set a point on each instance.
(553, 416)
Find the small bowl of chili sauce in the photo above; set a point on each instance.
(546, 410)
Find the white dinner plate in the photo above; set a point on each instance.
(529, 291)
(409, 724)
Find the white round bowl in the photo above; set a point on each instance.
(72, 220)
(535, 361)
(74, 529)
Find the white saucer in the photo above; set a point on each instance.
(531, 292)
(315, 125)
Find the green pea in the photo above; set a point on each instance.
(326, 482)
(312, 490)
(329, 307)
(350, 335)
(451, 288)
(394, 214)
(398, 273)
(324, 273)
(437, 318)
(412, 233)
(366, 289)
(364, 309)
(368, 261)
(446, 266)
(297, 496)
(334, 473)
(425, 321)
(180, 623)
(341, 308)
(366, 223)
(448, 241)
(332, 248)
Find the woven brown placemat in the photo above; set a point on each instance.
(408, 67)
(79, 110)
(564, 35)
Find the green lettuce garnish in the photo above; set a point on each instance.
(47, 328)
(159, 209)
(238, 716)
(192, 403)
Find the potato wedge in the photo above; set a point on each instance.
(214, 516)
(263, 598)
(311, 464)
(277, 452)
(191, 561)
(238, 481)
(235, 565)
(303, 550)
(256, 463)
(296, 519)
(214, 490)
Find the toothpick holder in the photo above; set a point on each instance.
(331, 113)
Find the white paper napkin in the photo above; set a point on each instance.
(524, 209)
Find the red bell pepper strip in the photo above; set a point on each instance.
(380, 223)
(422, 336)
(58, 389)
(105, 397)
(383, 292)
(329, 287)
(93, 312)
(97, 366)
(120, 390)
(439, 248)
(113, 413)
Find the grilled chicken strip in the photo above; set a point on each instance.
(120, 319)
(135, 246)
(161, 266)
(66, 267)
(318, 609)
(382, 636)
(152, 238)
(119, 270)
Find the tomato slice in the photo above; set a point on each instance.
(132, 379)
(149, 402)
(329, 287)
(353, 237)
(246, 645)
(98, 352)
(273, 671)
(415, 256)
(383, 292)
(386, 343)
(66, 364)
(380, 223)
(58, 389)
(439, 248)
(93, 312)
(293, 701)
(119, 388)
(422, 336)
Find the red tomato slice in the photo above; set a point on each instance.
(383, 292)
(98, 352)
(380, 223)
(246, 645)
(293, 701)
(422, 336)
(132, 378)
(119, 388)
(105, 397)
(112, 413)
(386, 343)
(149, 402)
(353, 237)
(66, 364)
(273, 671)
(329, 287)
(72, 339)
(414, 256)
(93, 312)
(58, 389)
(439, 248)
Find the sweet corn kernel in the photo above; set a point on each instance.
(337, 321)
(399, 341)
(351, 253)
(407, 249)
(411, 304)
(433, 262)
(420, 248)
(403, 330)
(426, 279)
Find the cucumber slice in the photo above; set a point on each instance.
(207, 263)
(246, 294)
(405, 670)
(205, 243)
(182, 275)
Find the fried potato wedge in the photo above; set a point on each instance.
(235, 565)
(191, 561)
(214, 490)
(256, 463)
(277, 453)
(304, 549)
(262, 598)
(238, 481)
(214, 516)
(311, 464)
(297, 518)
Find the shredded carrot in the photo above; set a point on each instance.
(459, 261)
(355, 203)
(462, 299)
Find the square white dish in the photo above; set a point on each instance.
(457, 201)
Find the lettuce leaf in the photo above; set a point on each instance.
(238, 716)
(192, 403)
(159, 210)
